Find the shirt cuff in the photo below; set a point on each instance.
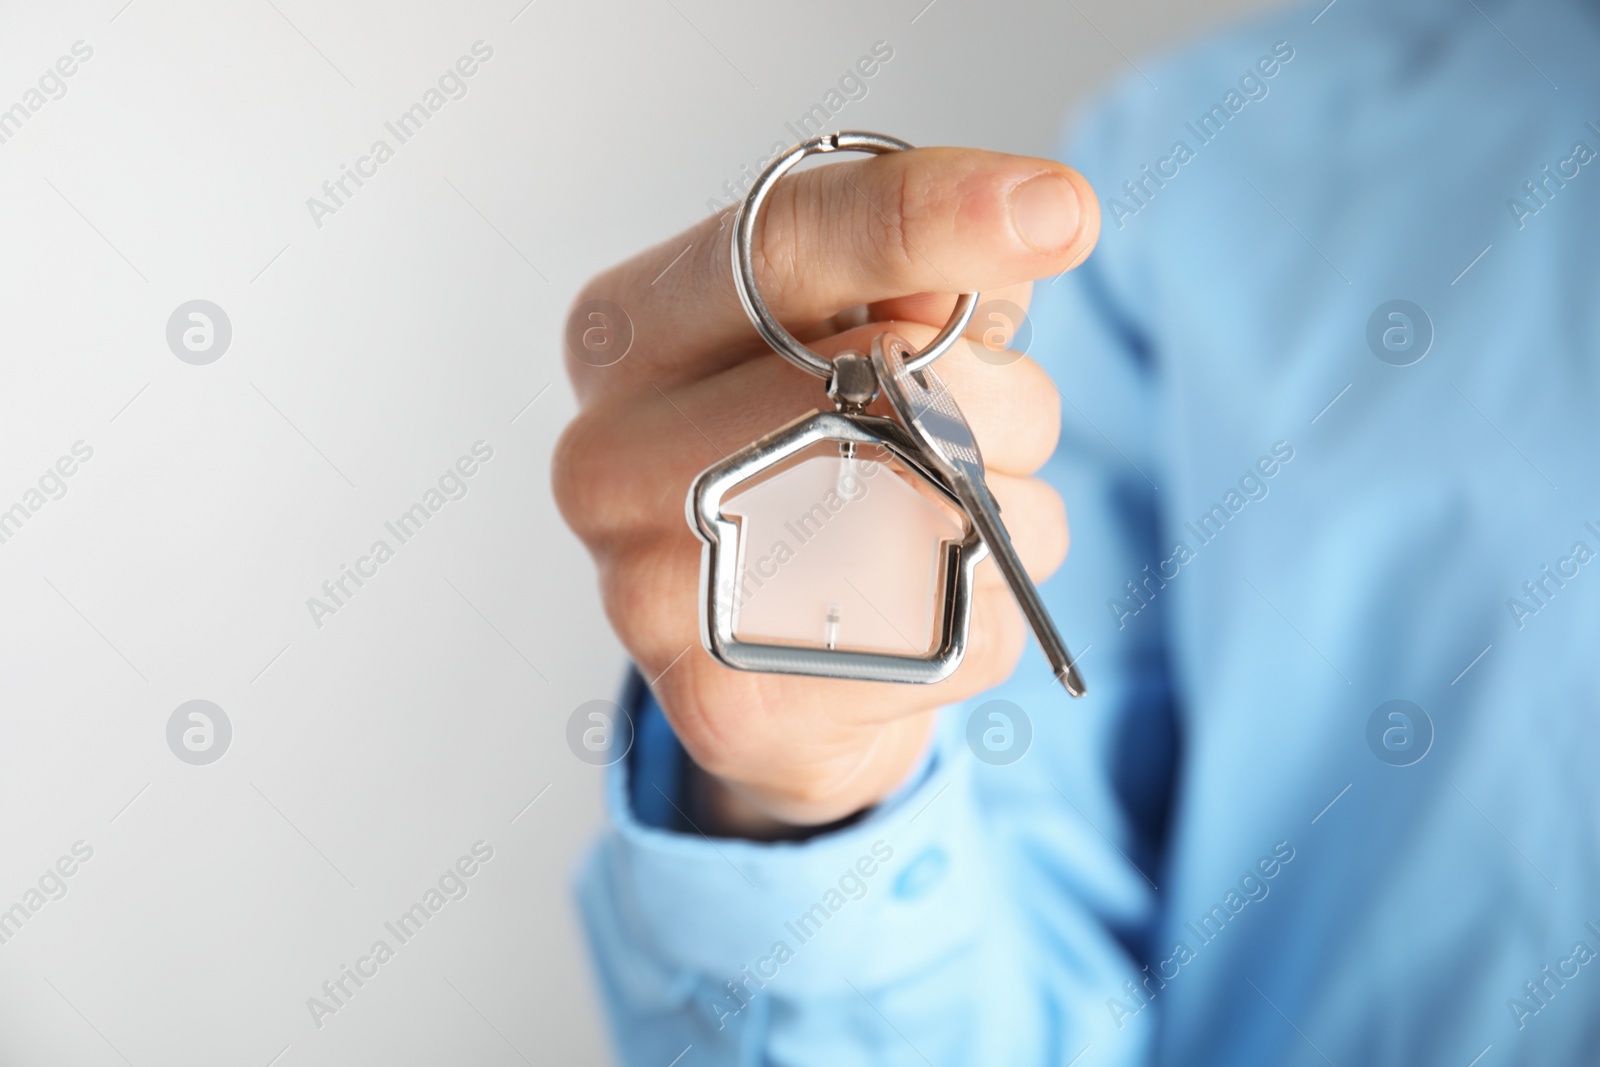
(811, 916)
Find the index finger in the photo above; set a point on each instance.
(942, 220)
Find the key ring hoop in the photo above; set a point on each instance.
(744, 270)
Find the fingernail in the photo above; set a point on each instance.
(1044, 212)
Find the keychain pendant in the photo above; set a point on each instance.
(832, 549)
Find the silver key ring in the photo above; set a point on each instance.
(744, 270)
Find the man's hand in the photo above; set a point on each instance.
(892, 233)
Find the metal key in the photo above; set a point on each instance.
(927, 409)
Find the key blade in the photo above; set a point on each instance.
(983, 510)
(927, 409)
(922, 402)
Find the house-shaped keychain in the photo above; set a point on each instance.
(843, 545)
(830, 548)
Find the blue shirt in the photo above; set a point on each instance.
(1332, 796)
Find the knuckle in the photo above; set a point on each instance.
(647, 589)
(1048, 421)
(696, 695)
(1015, 409)
(721, 754)
(999, 638)
(1037, 391)
(878, 215)
(577, 472)
(898, 224)
(1053, 535)
(597, 290)
(1037, 517)
(1013, 642)
(891, 221)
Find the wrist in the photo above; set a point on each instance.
(719, 808)
(817, 802)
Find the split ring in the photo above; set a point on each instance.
(744, 271)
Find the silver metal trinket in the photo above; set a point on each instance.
(844, 544)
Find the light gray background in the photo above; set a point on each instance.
(367, 355)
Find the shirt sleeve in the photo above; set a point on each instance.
(992, 910)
